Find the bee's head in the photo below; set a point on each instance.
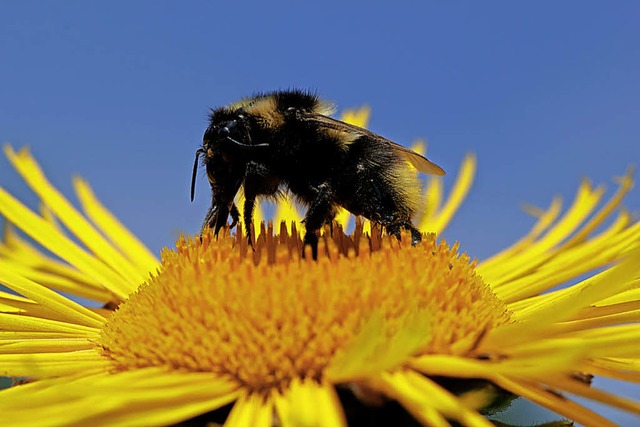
(228, 133)
(222, 145)
(226, 149)
(225, 177)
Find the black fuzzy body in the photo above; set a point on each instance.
(274, 142)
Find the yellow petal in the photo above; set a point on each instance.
(31, 324)
(625, 184)
(357, 117)
(79, 226)
(610, 246)
(42, 365)
(579, 388)
(65, 248)
(558, 403)
(308, 404)
(111, 227)
(421, 397)
(57, 345)
(536, 319)
(31, 263)
(250, 411)
(286, 211)
(148, 397)
(439, 221)
(538, 252)
(343, 218)
(372, 351)
(545, 220)
(63, 307)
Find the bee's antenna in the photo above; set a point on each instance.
(247, 146)
(193, 174)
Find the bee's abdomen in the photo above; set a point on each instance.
(378, 184)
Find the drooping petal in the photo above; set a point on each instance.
(249, 411)
(306, 403)
(425, 399)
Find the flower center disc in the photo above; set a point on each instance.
(266, 317)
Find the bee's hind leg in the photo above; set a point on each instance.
(394, 227)
(416, 236)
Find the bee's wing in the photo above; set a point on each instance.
(418, 161)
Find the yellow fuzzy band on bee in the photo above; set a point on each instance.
(408, 184)
(344, 139)
(265, 109)
(325, 107)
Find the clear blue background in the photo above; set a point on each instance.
(544, 92)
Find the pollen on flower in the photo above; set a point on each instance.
(266, 317)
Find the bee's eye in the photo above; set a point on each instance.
(227, 128)
(293, 111)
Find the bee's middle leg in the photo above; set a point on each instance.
(235, 215)
(320, 211)
(250, 193)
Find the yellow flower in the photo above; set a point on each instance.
(259, 338)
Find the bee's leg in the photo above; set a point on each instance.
(210, 217)
(393, 229)
(416, 236)
(235, 215)
(392, 224)
(311, 239)
(319, 212)
(249, 204)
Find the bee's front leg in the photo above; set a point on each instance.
(249, 205)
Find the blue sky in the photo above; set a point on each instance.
(544, 93)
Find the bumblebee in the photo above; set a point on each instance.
(286, 140)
